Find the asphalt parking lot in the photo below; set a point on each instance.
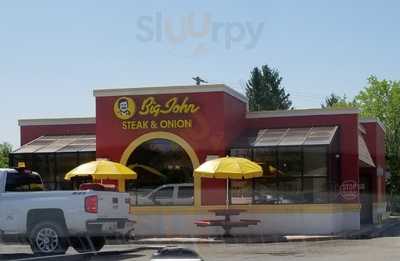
(385, 248)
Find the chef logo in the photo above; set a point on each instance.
(124, 108)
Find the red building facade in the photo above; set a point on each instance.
(206, 122)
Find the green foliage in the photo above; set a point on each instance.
(265, 92)
(340, 102)
(381, 99)
(5, 149)
(331, 100)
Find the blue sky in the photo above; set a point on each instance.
(54, 53)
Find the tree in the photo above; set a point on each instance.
(336, 101)
(5, 150)
(330, 101)
(381, 99)
(265, 92)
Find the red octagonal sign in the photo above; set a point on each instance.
(349, 190)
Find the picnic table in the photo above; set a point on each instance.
(226, 223)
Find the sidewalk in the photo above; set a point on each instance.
(366, 232)
(373, 230)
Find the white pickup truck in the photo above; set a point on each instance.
(53, 221)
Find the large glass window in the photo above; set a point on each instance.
(65, 162)
(266, 191)
(315, 161)
(292, 175)
(241, 191)
(52, 167)
(40, 165)
(290, 161)
(165, 174)
(315, 190)
(81, 158)
(240, 152)
(290, 190)
(266, 157)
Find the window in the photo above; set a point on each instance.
(185, 195)
(40, 165)
(245, 153)
(65, 162)
(266, 157)
(292, 174)
(159, 196)
(161, 162)
(266, 191)
(290, 190)
(241, 191)
(315, 190)
(163, 196)
(315, 161)
(24, 182)
(185, 192)
(52, 167)
(290, 162)
(164, 193)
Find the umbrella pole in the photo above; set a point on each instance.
(227, 193)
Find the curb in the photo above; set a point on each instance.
(240, 240)
(75, 257)
(312, 238)
(89, 255)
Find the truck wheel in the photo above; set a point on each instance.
(47, 238)
(82, 244)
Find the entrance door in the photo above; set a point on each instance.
(366, 198)
(158, 163)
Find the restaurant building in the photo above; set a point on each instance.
(324, 169)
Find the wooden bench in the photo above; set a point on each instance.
(227, 212)
(227, 224)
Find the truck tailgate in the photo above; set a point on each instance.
(113, 205)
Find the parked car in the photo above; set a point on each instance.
(171, 194)
(51, 221)
(265, 198)
(176, 253)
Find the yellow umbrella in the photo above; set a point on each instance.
(102, 169)
(229, 168)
